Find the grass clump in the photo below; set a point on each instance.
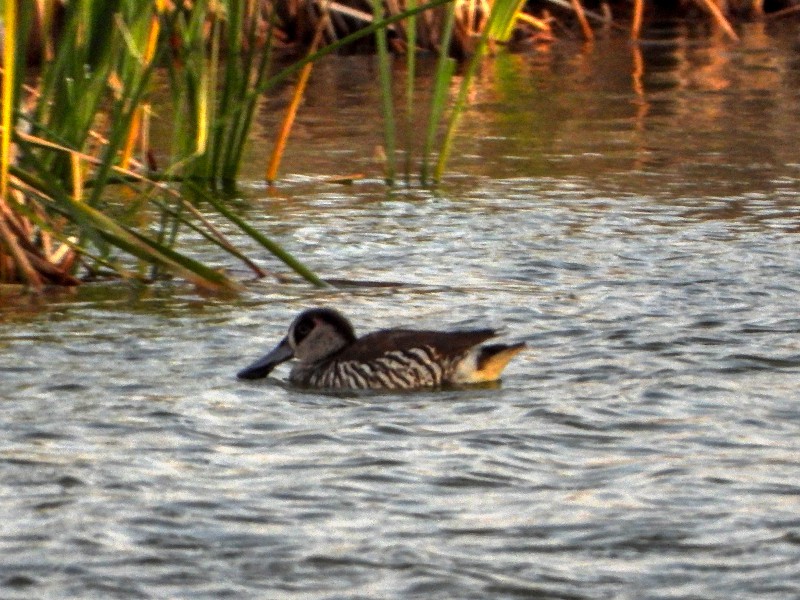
(84, 127)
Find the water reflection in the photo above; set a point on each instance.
(669, 103)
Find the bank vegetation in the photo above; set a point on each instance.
(77, 86)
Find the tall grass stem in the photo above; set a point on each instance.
(387, 102)
(445, 68)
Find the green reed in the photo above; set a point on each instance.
(387, 94)
(499, 9)
(211, 88)
(502, 24)
(84, 119)
(411, 67)
(445, 68)
(498, 26)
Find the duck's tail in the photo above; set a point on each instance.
(487, 362)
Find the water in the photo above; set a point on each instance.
(644, 243)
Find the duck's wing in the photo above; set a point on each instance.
(446, 343)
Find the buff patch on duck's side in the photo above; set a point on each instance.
(487, 362)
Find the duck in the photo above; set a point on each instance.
(329, 355)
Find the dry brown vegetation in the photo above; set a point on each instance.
(535, 20)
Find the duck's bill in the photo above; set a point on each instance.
(262, 367)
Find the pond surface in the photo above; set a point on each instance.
(639, 232)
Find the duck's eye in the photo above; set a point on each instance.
(302, 330)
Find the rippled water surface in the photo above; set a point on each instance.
(639, 232)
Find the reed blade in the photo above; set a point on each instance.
(503, 24)
(259, 237)
(463, 92)
(387, 102)
(411, 66)
(445, 68)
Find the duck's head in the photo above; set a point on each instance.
(314, 335)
